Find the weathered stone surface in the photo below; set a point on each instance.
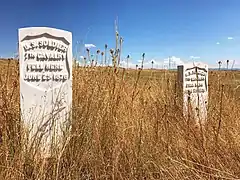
(45, 56)
(193, 78)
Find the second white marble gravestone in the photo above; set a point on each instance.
(45, 56)
(193, 78)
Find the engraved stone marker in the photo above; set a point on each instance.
(193, 78)
(45, 56)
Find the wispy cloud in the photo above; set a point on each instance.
(218, 43)
(90, 46)
(194, 57)
(174, 60)
(230, 38)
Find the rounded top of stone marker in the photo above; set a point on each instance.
(42, 28)
(33, 31)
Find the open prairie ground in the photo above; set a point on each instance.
(127, 125)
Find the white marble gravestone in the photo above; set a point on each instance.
(193, 78)
(45, 56)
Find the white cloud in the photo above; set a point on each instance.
(194, 57)
(218, 43)
(90, 46)
(157, 63)
(130, 65)
(174, 60)
(230, 38)
(81, 57)
(232, 63)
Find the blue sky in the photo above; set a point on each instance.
(160, 28)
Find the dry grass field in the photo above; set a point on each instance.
(128, 125)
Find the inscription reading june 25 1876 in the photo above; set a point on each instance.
(45, 60)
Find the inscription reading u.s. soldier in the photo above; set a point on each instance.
(45, 60)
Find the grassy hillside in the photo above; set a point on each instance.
(128, 125)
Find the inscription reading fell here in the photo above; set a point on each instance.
(45, 61)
